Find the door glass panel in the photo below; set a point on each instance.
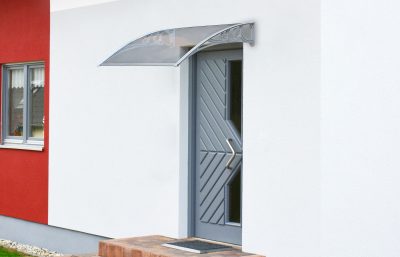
(16, 102)
(234, 198)
(36, 102)
(235, 96)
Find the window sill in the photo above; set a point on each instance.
(37, 148)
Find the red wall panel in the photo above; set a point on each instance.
(25, 37)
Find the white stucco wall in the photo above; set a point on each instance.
(321, 125)
(360, 124)
(114, 161)
(281, 131)
(114, 139)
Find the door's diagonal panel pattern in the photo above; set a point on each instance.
(218, 66)
(211, 98)
(213, 193)
(215, 211)
(212, 103)
(211, 169)
(202, 144)
(215, 76)
(217, 91)
(219, 213)
(205, 137)
(208, 121)
(220, 126)
(206, 163)
(214, 84)
(213, 129)
(217, 136)
(203, 156)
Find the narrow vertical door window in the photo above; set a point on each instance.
(235, 101)
(235, 198)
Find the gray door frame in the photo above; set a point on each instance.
(192, 119)
(192, 144)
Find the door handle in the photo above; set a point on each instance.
(228, 164)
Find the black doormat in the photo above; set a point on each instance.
(197, 246)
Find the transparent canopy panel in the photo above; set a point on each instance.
(170, 47)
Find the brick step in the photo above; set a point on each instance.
(151, 246)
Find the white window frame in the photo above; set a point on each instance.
(23, 142)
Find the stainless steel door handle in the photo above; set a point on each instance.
(228, 164)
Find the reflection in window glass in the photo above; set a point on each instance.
(16, 102)
(36, 102)
(235, 112)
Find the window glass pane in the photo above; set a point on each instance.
(36, 102)
(235, 199)
(235, 112)
(16, 102)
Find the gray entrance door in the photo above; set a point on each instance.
(218, 146)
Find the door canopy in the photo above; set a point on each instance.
(172, 46)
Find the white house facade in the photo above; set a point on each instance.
(147, 149)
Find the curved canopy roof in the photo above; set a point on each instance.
(172, 46)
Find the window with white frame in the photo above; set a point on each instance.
(23, 104)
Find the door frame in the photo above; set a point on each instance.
(192, 144)
(192, 104)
